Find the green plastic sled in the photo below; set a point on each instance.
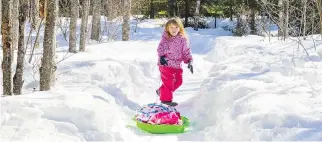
(163, 128)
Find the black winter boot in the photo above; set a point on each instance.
(169, 103)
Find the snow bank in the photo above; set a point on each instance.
(95, 95)
(60, 116)
(254, 92)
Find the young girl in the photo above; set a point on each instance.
(172, 51)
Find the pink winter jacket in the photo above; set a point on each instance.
(175, 49)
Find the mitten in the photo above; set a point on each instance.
(190, 67)
(163, 61)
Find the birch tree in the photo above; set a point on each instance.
(34, 4)
(73, 25)
(286, 24)
(126, 20)
(36, 22)
(319, 6)
(6, 47)
(48, 66)
(37, 8)
(96, 21)
(252, 7)
(304, 16)
(18, 77)
(83, 35)
(0, 11)
(15, 24)
(110, 10)
(196, 16)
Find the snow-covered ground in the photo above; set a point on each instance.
(243, 88)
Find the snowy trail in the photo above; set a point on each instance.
(137, 85)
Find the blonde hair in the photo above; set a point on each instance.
(176, 21)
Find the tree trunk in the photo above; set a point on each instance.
(118, 8)
(48, 66)
(151, 9)
(313, 23)
(171, 7)
(252, 22)
(281, 18)
(35, 20)
(304, 18)
(231, 10)
(286, 19)
(111, 15)
(126, 20)
(196, 16)
(15, 25)
(175, 8)
(43, 11)
(54, 66)
(105, 7)
(215, 21)
(110, 10)
(83, 36)
(186, 13)
(18, 78)
(321, 24)
(34, 13)
(319, 5)
(73, 25)
(36, 44)
(239, 25)
(0, 11)
(96, 21)
(6, 47)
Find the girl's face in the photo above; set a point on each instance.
(173, 29)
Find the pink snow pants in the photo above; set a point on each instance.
(171, 81)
